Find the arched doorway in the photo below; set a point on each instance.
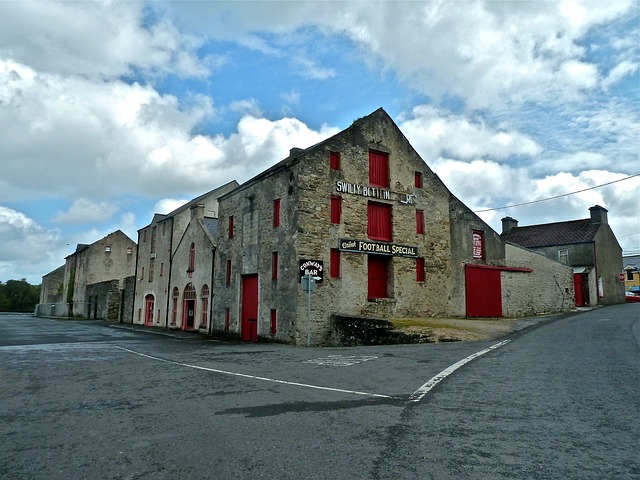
(148, 310)
(189, 307)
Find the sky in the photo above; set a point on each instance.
(113, 111)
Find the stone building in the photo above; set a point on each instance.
(78, 285)
(363, 213)
(588, 245)
(163, 289)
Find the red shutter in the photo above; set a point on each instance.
(420, 222)
(379, 221)
(231, 226)
(418, 181)
(419, 269)
(336, 209)
(227, 318)
(335, 263)
(378, 276)
(334, 160)
(273, 321)
(378, 169)
(276, 213)
(274, 266)
(228, 272)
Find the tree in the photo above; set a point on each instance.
(18, 296)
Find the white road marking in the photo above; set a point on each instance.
(253, 377)
(424, 389)
(341, 360)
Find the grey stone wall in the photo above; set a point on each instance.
(103, 301)
(547, 289)
(609, 258)
(127, 297)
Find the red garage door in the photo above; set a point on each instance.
(483, 291)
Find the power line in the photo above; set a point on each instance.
(557, 196)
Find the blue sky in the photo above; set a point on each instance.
(111, 111)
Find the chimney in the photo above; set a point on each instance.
(598, 214)
(508, 224)
(197, 212)
(294, 152)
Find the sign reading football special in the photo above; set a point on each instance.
(366, 246)
(313, 268)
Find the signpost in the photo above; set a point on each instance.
(308, 283)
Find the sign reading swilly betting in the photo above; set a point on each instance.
(366, 246)
(312, 267)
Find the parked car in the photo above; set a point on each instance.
(631, 297)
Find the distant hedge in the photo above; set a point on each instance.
(18, 296)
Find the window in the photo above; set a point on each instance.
(418, 180)
(174, 307)
(144, 236)
(152, 267)
(192, 258)
(336, 209)
(164, 228)
(420, 222)
(231, 226)
(228, 280)
(379, 221)
(419, 269)
(153, 239)
(107, 249)
(478, 244)
(205, 305)
(161, 269)
(274, 265)
(273, 321)
(334, 160)
(276, 213)
(563, 256)
(129, 250)
(378, 169)
(335, 263)
(378, 276)
(630, 275)
(141, 273)
(227, 318)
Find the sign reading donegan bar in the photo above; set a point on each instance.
(366, 246)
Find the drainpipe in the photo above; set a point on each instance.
(135, 281)
(169, 289)
(211, 289)
(595, 263)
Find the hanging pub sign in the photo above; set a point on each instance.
(313, 268)
(367, 246)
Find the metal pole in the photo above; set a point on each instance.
(309, 311)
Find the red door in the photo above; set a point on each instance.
(148, 310)
(483, 290)
(249, 328)
(581, 287)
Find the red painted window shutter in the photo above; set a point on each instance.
(418, 182)
(378, 276)
(378, 169)
(335, 263)
(274, 266)
(231, 226)
(276, 213)
(228, 279)
(419, 269)
(273, 321)
(379, 221)
(227, 318)
(334, 160)
(336, 209)
(420, 222)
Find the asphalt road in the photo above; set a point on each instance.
(81, 399)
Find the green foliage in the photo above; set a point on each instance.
(18, 296)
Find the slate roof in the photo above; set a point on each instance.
(559, 233)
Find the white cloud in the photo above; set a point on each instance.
(618, 72)
(436, 132)
(86, 211)
(100, 39)
(167, 205)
